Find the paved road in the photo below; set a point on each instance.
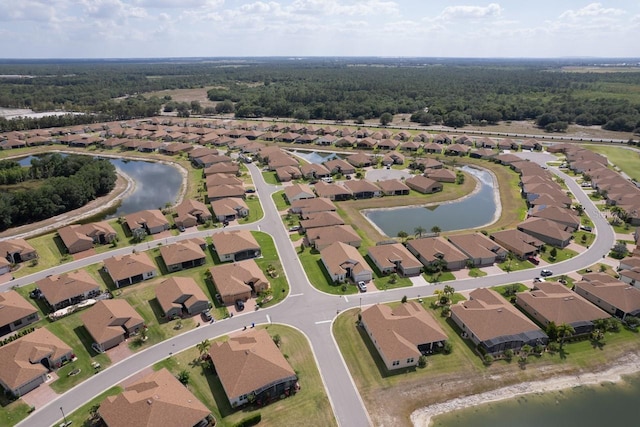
(307, 309)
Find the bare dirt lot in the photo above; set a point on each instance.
(186, 95)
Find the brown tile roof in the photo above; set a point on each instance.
(15, 246)
(392, 185)
(152, 218)
(184, 251)
(248, 362)
(230, 242)
(442, 175)
(14, 307)
(228, 206)
(67, 285)
(487, 315)
(233, 279)
(321, 219)
(517, 240)
(331, 190)
(399, 331)
(339, 256)
(73, 234)
(193, 208)
(434, 248)
(222, 168)
(324, 236)
(176, 291)
(619, 294)
(422, 183)
(294, 190)
(124, 266)
(20, 359)
(310, 168)
(340, 164)
(361, 185)
(222, 179)
(477, 245)
(555, 302)
(557, 214)
(158, 399)
(388, 255)
(320, 204)
(224, 190)
(545, 227)
(108, 319)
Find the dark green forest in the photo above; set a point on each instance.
(57, 184)
(452, 92)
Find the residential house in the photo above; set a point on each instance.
(15, 313)
(563, 216)
(288, 173)
(344, 262)
(60, 291)
(611, 295)
(548, 231)
(235, 245)
(191, 212)
(483, 153)
(493, 324)
(26, 361)
(314, 171)
(150, 221)
(339, 166)
(431, 251)
(479, 248)
(179, 295)
(298, 192)
(238, 280)
(223, 167)
(422, 184)
(521, 244)
(224, 190)
(456, 150)
(211, 159)
(320, 219)
(17, 250)
(321, 237)
(251, 368)
(311, 206)
(553, 302)
(631, 276)
(393, 187)
(129, 269)
(362, 189)
(403, 334)
(441, 175)
(82, 237)
(110, 322)
(222, 179)
(229, 208)
(184, 254)
(333, 192)
(394, 258)
(154, 400)
(360, 160)
(433, 148)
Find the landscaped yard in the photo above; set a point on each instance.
(515, 265)
(11, 413)
(318, 276)
(510, 290)
(278, 281)
(438, 277)
(561, 255)
(82, 415)
(270, 177)
(584, 238)
(279, 200)
(310, 406)
(255, 210)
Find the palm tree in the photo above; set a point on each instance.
(449, 291)
(565, 331)
(403, 235)
(435, 229)
(419, 231)
(203, 347)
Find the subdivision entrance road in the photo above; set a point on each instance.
(307, 309)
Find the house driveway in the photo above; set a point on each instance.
(491, 270)
(249, 306)
(419, 280)
(165, 234)
(43, 394)
(84, 254)
(119, 352)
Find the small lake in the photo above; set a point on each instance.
(595, 406)
(156, 185)
(476, 210)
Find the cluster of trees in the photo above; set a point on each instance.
(67, 183)
(449, 92)
(12, 173)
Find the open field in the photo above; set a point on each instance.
(185, 95)
(310, 406)
(627, 159)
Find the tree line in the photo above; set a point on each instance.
(67, 183)
(450, 92)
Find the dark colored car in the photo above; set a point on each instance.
(239, 305)
(546, 273)
(533, 260)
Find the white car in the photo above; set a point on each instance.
(362, 286)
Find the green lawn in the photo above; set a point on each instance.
(628, 161)
(623, 228)
(476, 272)
(11, 413)
(310, 406)
(507, 291)
(562, 255)
(280, 200)
(318, 276)
(270, 177)
(442, 277)
(278, 281)
(515, 265)
(81, 416)
(49, 255)
(255, 210)
(585, 241)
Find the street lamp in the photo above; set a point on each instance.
(63, 417)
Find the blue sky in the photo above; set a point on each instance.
(431, 28)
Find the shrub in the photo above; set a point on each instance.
(508, 354)
(422, 361)
(448, 348)
(250, 420)
(487, 359)
(404, 299)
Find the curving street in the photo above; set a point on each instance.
(305, 308)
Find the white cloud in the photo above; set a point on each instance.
(492, 10)
(335, 8)
(591, 11)
(30, 10)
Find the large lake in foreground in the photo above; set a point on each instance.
(156, 184)
(598, 406)
(473, 211)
